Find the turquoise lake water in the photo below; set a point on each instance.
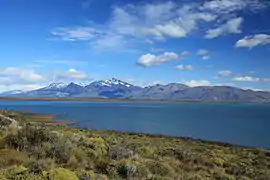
(242, 124)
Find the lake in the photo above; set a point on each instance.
(242, 124)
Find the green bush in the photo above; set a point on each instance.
(160, 168)
(14, 170)
(130, 169)
(28, 137)
(61, 174)
(99, 145)
(78, 159)
(9, 157)
(85, 175)
(2, 177)
(40, 165)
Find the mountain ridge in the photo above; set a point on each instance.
(114, 88)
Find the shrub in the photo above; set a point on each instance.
(160, 168)
(2, 177)
(61, 150)
(217, 161)
(38, 166)
(61, 174)
(15, 172)
(28, 137)
(99, 145)
(158, 177)
(102, 166)
(223, 176)
(118, 152)
(85, 175)
(9, 157)
(78, 159)
(129, 169)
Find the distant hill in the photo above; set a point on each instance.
(114, 88)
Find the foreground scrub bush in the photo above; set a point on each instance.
(85, 175)
(38, 166)
(131, 169)
(99, 145)
(9, 157)
(159, 168)
(61, 174)
(28, 137)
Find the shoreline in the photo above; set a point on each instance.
(124, 100)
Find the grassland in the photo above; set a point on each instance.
(38, 148)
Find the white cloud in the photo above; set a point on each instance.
(194, 83)
(153, 21)
(253, 41)
(252, 88)
(25, 87)
(205, 57)
(110, 42)
(76, 33)
(184, 53)
(24, 75)
(70, 75)
(246, 79)
(224, 73)
(15, 78)
(230, 6)
(202, 52)
(230, 27)
(133, 24)
(148, 60)
(185, 67)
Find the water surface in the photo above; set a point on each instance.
(243, 124)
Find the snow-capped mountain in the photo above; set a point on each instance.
(111, 82)
(114, 88)
(55, 86)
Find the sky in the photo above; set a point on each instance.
(143, 42)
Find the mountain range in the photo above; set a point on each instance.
(114, 88)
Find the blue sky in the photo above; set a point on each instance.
(218, 42)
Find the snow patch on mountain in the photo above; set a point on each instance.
(56, 86)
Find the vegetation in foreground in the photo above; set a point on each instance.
(34, 149)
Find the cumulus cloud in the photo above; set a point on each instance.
(230, 27)
(148, 60)
(253, 41)
(224, 73)
(20, 79)
(194, 83)
(155, 21)
(246, 79)
(23, 75)
(70, 75)
(202, 52)
(185, 67)
(230, 6)
(133, 24)
(25, 87)
(205, 57)
(184, 53)
(75, 33)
